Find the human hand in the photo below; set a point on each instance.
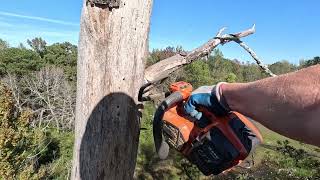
(209, 97)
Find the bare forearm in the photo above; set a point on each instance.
(288, 104)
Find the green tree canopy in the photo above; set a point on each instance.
(198, 74)
(38, 45)
(19, 61)
(282, 67)
(63, 55)
(311, 62)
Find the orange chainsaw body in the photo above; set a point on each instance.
(181, 132)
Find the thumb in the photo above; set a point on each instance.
(190, 106)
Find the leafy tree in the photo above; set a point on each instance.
(38, 45)
(282, 67)
(215, 60)
(251, 72)
(220, 67)
(63, 55)
(217, 53)
(231, 78)
(311, 62)
(19, 61)
(21, 46)
(3, 44)
(198, 74)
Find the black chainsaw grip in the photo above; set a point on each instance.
(161, 145)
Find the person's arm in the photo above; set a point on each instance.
(288, 104)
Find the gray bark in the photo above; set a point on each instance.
(112, 51)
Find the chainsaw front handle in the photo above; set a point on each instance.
(161, 145)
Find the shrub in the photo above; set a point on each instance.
(25, 152)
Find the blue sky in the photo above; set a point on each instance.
(286, 29)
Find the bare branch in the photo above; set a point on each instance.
(256, 58)
(235, 37)
(47, 94)
(246, 33)
(219, 34)
(165, 67)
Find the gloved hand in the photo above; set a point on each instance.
(209, 97)
(216, 142)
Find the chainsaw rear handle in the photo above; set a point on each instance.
(161, 145)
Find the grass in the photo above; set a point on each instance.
(272, 157)
(271, 140)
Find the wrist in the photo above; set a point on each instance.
(220, 96)
(232, 95)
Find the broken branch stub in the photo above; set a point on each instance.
(165, 67)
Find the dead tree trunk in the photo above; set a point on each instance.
(112, 50)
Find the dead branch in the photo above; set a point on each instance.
(256, 58)
(47, 94)
(165, 67)
(235, 37)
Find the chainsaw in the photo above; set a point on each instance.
(222, 144)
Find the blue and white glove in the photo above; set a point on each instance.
(209, 97)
